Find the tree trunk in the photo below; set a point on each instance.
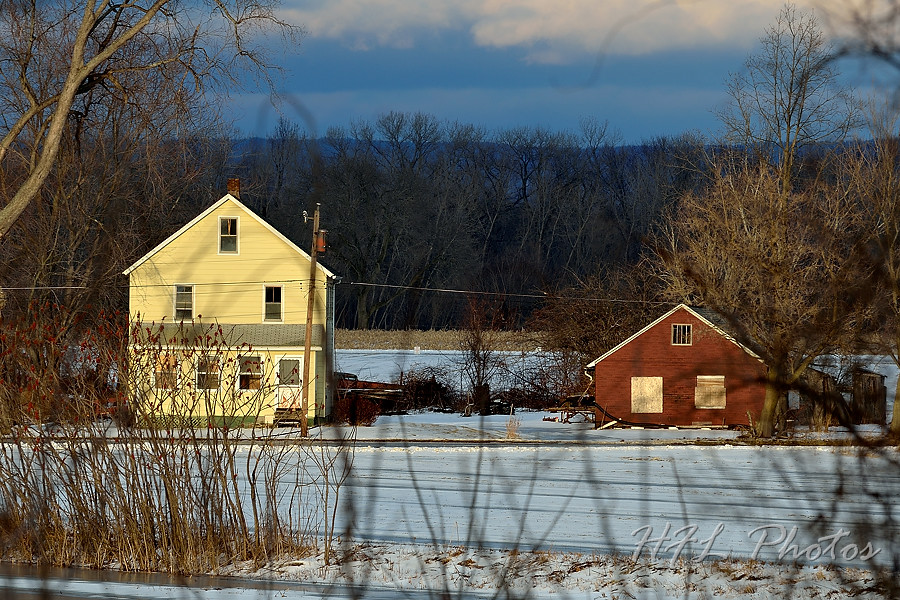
(765, 428)
(362, 309)
(895, 413)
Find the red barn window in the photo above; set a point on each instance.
(681, 335)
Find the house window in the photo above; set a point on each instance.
(289, 372)
(166, 372)
(184, 302)
(646, 394)
(710, 391)
(250, 373)
(228, 235)
(273, 303)
(681, 335)
(207, 373)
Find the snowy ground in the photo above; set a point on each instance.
(563, 512)
(391, 365)
(442, 506)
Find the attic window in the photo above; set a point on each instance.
(228, 235)
(184, 302)
(681, 335)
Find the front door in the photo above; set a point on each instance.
(289, 390)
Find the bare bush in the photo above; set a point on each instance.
(355, 409)
(429, 387)
(180, 489)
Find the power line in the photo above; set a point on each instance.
(541, 296)
(443, 290)
(544, 296)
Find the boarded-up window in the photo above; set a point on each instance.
(207, 373)
(646, 394)
(710, 391)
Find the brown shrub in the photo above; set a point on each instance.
(355, 409)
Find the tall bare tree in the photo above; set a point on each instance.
(54, 53)
(785, 270)
(874, 176)
(788, 96)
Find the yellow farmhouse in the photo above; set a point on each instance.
(218, 313)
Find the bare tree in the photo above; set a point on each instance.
(784, 270)
(788, 96)
(55, 53)
(485, 318)
(875, 179)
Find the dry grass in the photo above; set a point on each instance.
(378, 339)
(163, 494)
(512, 427)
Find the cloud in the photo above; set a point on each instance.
(546, 31)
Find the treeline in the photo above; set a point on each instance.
(414, 205)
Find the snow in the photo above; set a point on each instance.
(561, 510)
(389, 365)
(440, 505)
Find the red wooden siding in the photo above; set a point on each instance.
(652, 354)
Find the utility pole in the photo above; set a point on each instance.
(310, 305)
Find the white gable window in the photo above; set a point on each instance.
(273, 304)
(646, 394)
(710, 391)
(184, 302)
(681, 335)
(228, 235)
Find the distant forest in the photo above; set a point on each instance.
(412, 205)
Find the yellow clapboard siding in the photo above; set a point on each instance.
(227, 288)
(228, 399)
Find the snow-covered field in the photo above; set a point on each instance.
(390, 365)
(563, 511)
(442, 506)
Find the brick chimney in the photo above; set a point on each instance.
(234, 187)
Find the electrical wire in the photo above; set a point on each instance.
(436, 290)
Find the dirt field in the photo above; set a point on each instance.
(376, 339)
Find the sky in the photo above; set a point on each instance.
(648, 68)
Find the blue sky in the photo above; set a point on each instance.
(647, 67)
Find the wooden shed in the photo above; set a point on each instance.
(869, 400)
(680, 370)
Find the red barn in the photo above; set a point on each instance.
(681, 369)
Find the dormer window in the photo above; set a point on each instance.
(228, 235)
(681, 335)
